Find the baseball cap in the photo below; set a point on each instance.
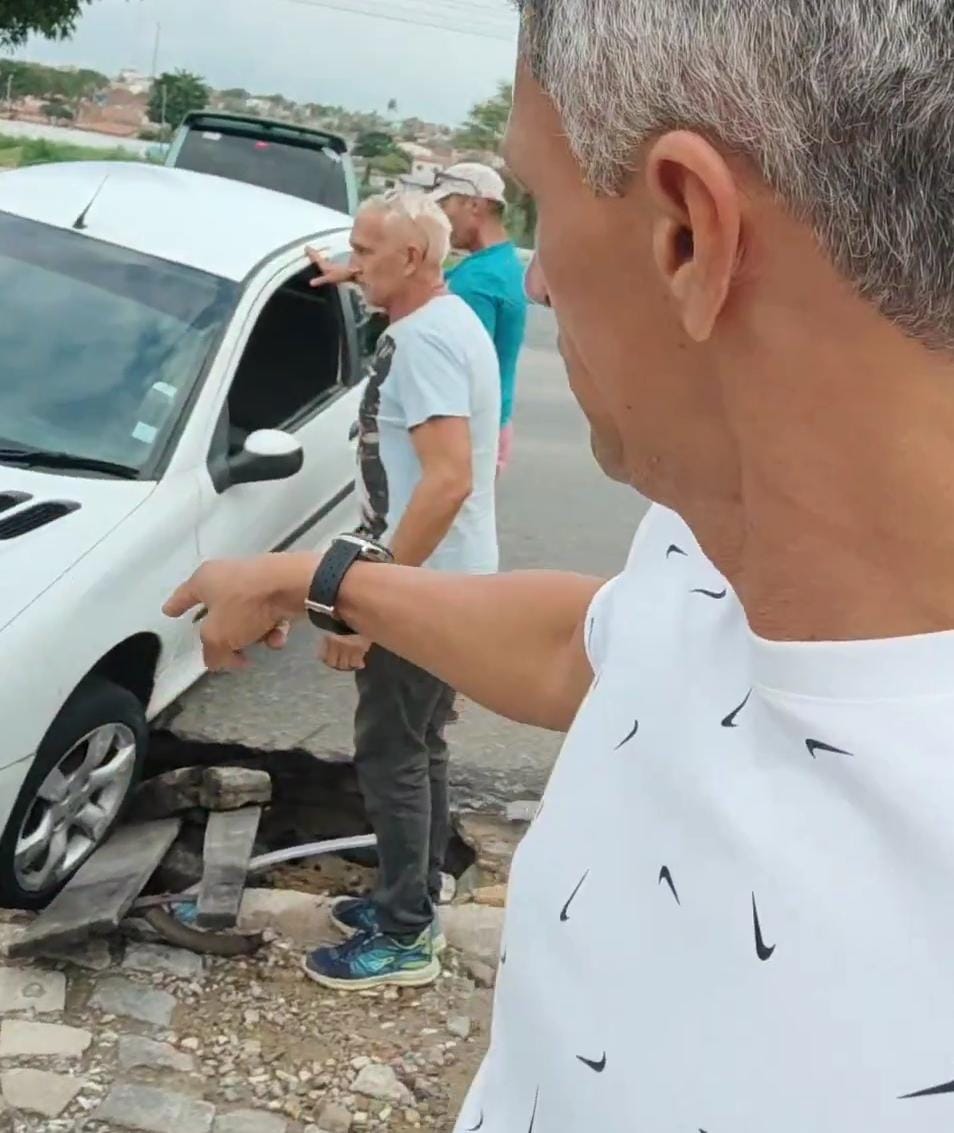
(470, 179)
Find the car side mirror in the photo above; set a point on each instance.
(268, 454)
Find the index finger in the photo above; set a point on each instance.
(183, 600)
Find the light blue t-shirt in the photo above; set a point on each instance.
(436, 362)
(491, 282)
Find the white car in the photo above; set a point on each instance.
(171, 389)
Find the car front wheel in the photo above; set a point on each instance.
(75, 792)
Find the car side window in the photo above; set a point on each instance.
(292, 362)
(368, 325)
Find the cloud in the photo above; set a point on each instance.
(308, 54)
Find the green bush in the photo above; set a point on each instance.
(39, 151)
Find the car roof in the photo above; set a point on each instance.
(226, 228)
(209, 119)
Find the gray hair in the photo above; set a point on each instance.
(846, 107)
(422, 215)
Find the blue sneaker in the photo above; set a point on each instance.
(374, 960)
(359, 914)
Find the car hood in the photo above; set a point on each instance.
(48, 522)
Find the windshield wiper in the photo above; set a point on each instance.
(41, 458)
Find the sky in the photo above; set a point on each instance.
(307, 52)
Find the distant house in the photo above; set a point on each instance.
(135, 82)
(425, 165)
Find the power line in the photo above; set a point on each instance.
(418, 17)
(427, 16)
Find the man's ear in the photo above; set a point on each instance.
(697, 226)
(414, 257)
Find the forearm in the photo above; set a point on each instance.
(511, 642)
(426, 520)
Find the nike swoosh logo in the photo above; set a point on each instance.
(629, 736)
(816, 746)
(533, 1116)
(947, 1088)
(762, 950)
(503, 957)
(718, 594)
(474, 1128)
(674, 550)
(665, 875)
(730, 720)
(565, 915)
(599, 1066)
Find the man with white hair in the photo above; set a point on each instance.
(427, 451)
(733, 911)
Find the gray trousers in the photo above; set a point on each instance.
(401, 761)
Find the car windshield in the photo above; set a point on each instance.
(310, 171)
(100, 345)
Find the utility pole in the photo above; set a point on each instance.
(165, 96)
(9, 98)
(155, 51)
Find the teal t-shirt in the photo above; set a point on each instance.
(491, 283)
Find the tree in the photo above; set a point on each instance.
(394, 164)
(486, 124)
(50, 83)
(174, 96)
(58, 112)
(392, 105)
(484, 132)
(55, 19)
(375, 146)
(373, 143)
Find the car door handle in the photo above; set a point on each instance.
(353, 432)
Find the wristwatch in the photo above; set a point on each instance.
(340, 557)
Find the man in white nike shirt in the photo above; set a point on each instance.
(735, 910)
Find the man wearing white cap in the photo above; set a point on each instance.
(491, 279)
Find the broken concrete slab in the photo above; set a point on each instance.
(522, 810)
(152, 1110)
(24, 1038)
(493, 895)
(167, 795)
(494, 841)
(39, 1091)
(101, 893)
(231, 788)
(299, 917)
(91, 955)
(229, 842)
(13, 924)
(31, 989)
(483, 975)
(136, 1052)
(474, 930)
(165, 960)
(249, 1121)
(118, 996)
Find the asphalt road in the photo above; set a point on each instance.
(556, 510)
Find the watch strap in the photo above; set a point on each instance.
(335, 564)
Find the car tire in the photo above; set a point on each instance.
(75, 792)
